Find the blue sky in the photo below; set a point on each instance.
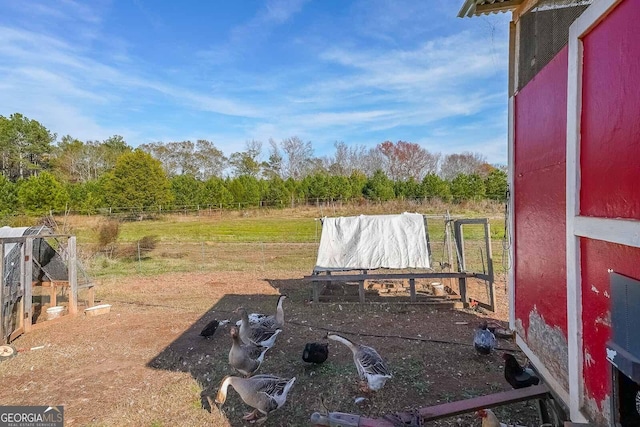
(360, 72)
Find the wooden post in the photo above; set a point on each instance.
(53, 294)
(412, 289)
(462, 282)
(361, 291)
(2, 313)
(26, 267)
(91, 297)
(73, 276)
(316, 291)
(487, 240)
(447, 231)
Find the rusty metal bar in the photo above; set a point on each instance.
(483, 402)
(432, 413)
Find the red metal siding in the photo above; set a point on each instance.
(610, 175)
(539, 181)
(596, 258)
(610, 137)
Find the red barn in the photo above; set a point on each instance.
(574, 174)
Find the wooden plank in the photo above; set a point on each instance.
(492, 293)
(15, 334)
(386, 276)
(316, 291)
(53, 295)
(451, 409)
(24, 238)
(73, 276)
(355, 299)
(26, 264)
(2, 313)
(91, 298)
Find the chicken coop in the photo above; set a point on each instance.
(39, 271)
(574, 207)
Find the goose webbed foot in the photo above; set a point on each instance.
(363, 386)
(260, 420)
(251, 415)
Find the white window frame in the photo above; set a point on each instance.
(620, 231)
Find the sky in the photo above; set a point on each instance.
(356, 71)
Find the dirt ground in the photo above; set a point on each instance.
(145, 364)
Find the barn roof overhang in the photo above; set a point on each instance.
(485, 7)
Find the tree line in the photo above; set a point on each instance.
(41, 173)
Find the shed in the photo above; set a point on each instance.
(574, 210)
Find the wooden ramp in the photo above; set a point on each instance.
(432, 413)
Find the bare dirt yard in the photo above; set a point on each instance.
(145, 364)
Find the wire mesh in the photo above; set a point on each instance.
(544, 31)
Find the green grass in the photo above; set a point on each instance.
(281, 240)
(237, 230)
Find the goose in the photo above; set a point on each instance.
(371, 367)
(268, 320)
(484, 341)
(315, 352)
(245, 358)
(256, 335)
(211, 327)
(516, 375)
(264, 393)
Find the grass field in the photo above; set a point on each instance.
(261, 238)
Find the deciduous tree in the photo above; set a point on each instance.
(296, 158)
(465, 163)
(247, 162)
(404, 160)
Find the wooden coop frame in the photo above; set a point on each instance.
(19, 298)
(454, 228)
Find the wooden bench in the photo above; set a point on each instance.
(316, 279)
(54, 286)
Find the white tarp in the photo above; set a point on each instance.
(368, 242)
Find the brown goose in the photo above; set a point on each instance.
(371, 367)
(245, 358)
(265, 393)
(256, 335)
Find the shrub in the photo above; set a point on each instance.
(108, 232)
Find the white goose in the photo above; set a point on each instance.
(371, 367)
(272, 321)
(258, 334)
(265, 393)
